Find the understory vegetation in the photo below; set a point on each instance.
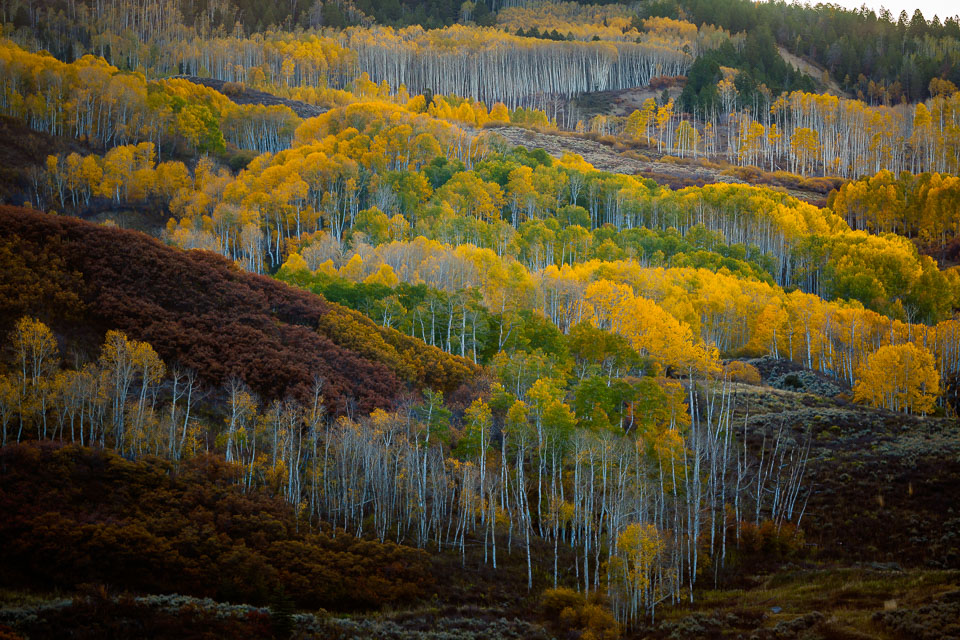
(375, 318)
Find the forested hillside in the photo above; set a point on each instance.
(480, 319)
(201, 312)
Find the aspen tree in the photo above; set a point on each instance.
(901, 378)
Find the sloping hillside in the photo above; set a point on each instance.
(813, 70)
(878, 480)
(199, 310)
(244, 95)
(76, 515)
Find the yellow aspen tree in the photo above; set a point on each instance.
(899, 377)
(773, 143)
(353, 270)
(636, 565)
(805, 143)
(8, 404)
(35, 349)
(499, 113)
(687, 139)
(751, 139)
(384, 275)
(91, 174)
(664, 119)
(921, 137)
(647, 115)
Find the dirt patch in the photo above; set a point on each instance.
(789, 376)
(621, 103)
(252, 96)
(605, 158)
(815, 71)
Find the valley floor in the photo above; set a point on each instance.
(801, 602)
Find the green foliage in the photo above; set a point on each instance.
(433, 417)
(758, 62)
(197, 309)
(859, 48)
(440, 170)
(603, 403)
(201, 128)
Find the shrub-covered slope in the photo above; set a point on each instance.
(197, 309)
(75, 516)
(884, 485)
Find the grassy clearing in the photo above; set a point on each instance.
(822, 602)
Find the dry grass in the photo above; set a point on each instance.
(834, 602)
